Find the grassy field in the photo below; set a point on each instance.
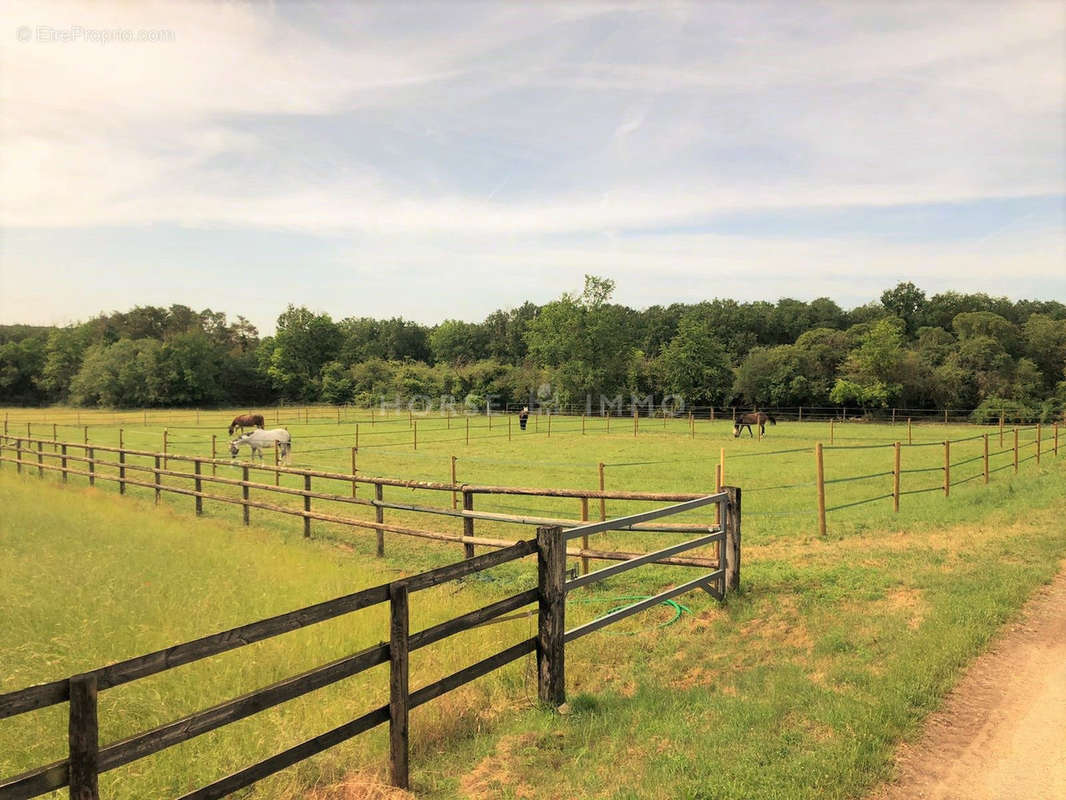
(798, 687)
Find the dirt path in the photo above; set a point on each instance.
(1001, 733)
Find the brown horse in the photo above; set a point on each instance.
(759, 418)
(243, 421)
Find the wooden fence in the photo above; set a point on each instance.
(86, 759)
(48, 455)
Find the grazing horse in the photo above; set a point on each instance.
(257, 440)
(243, 421)
(759, 418)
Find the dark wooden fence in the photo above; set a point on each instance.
(86, 759)
(47, 455)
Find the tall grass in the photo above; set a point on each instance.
(798, 687)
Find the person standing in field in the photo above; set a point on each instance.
(523, 417)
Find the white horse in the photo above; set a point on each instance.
(259, 439)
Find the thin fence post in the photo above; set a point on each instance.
(244, 493)
(831, 431)
(732, 539)
(603, 501)
(379, 517)
(584, 537)
(551, 600)
(910, 440)
(821, 487)
(18, 456)
(947, 468)
(214, 455)
(92, 465)
(582, 424)
(721, 463)
(83, 738)
(985, 437)
(608, 420)
(895, 479)
(893, 416)
(455, 495)
(1039, 431)
(1056, 440)
(355, 471)
(40, 459)
(468, 522)
(155, 473)
(166, 462)
(63, 461)
(1015, 450)
(277, 462)
(549, 424)
(717, 488)
(307, 505)
(800, 416)
(85, 434)
(1001, 430)
(199, 487)
(635, 423)
(398, 685)
(121, 463)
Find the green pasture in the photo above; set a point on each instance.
(798, 687)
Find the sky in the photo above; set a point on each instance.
(442, 160)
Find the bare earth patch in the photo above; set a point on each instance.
(1000, 733)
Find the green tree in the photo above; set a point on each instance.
(695, 365)
(303, 344)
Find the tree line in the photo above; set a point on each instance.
(950, 350)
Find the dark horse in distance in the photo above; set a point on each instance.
(759, 418)
(243, 421)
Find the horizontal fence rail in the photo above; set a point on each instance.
(87, 759)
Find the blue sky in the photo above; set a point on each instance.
(442, 160)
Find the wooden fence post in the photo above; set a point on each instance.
(895, 479)
(277, 462)
(1039, 431)
(551, 600)
(584, 538)
(549, 424)
(355, 471)
(166, 462)
(83, 739)
(821, 487)
(800, 417)
(214, 455)
(691, 426)
(721, 463)
(307, 506)
(608, 420)
(831, 431)
(1001, 430)
(63, 461)
(468, 522)
(1015, 450)
(92, 465)
(455, 494)
(379, 517)
(986, 457)
(199, 489)
(635, 423)
(717, 488)
(910, 439)
(155, 473)
(603, 502)
(244, 494)
(947, 468)
(732, 539)
(398, 685)
(357, 436)
(40, 459)
(1056, 440)
(121, 463)
(18, 456)
(582, 424)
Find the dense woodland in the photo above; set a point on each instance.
(951, 350)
